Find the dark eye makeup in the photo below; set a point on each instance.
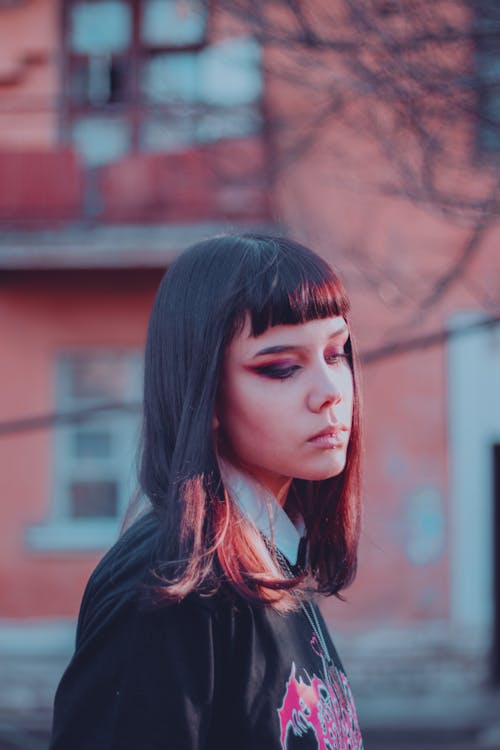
(277, 372)
(285, 370)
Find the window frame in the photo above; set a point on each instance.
(61, 531)
(134, 109)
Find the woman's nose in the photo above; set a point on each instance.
(324, 391)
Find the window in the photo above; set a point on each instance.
(140, 75)
(487, 58)
(94, 453)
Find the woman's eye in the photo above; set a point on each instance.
(277, 372)
(336, 358)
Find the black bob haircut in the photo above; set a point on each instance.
(201, 304)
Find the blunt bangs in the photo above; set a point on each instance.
(286, 284)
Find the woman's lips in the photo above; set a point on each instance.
(330, 437)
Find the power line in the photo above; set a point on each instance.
(56, 419)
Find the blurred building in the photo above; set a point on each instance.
(128, 130)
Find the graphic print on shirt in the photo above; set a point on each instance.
(326, 708)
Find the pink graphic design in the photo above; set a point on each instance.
(327, 709)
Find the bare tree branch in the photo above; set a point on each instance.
(458, 269)
(420, 81)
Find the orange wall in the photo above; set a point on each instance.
(39, 315)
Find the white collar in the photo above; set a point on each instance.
(261, 507)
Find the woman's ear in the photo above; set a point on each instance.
(215, 422)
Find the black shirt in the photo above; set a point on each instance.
(205, 674)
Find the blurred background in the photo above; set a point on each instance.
(368, 129)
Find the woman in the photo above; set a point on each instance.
(198, 628)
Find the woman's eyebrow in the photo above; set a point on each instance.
(277, 349)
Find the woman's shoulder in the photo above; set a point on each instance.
(128, 560)
(114, 584)
(125, 584)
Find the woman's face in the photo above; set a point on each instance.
(285, 402)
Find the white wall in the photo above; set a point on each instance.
(474, 426)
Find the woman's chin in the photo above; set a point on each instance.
(330, 470)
